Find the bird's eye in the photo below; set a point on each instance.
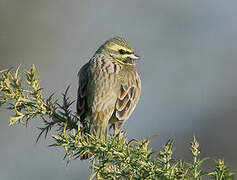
(121, 51)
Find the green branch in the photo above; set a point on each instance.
(111, 158)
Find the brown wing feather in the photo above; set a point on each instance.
(128, 97)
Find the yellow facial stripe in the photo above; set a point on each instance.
(121, 62)
(117, 47)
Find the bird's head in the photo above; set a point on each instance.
(119, 49)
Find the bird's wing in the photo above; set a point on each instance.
(128, 96)
(82, 92)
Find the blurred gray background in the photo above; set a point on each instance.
(188, 72)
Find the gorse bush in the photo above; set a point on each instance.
(115, 157)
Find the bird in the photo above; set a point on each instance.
(109, 87)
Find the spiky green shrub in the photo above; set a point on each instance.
(111, 158)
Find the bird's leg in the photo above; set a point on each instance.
(117, 126)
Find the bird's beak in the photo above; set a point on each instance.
(134, 57)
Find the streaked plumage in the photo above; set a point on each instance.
(109, 87)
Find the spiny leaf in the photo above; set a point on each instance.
(14, 119)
